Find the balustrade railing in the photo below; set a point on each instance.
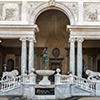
(11, 83)
(85, 84)
(80, 82)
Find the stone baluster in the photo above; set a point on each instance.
(79, 57)
(23, 56)
(72, 55)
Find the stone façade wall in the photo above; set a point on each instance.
(12, 11)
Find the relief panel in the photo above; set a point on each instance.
(10, 12)
(91, 12)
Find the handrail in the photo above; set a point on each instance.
(85, 84)
(80, 82)
(9, 84)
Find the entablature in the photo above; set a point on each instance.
(18, 31)
(84, 31)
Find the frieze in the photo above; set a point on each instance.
(91, 12)
(10, 12)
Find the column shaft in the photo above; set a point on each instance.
(79, 57)
(31, 55)
(23, 56)
(72, 55)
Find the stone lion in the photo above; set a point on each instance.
(9, 75)
(93, 75)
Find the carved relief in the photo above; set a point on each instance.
(91, 11)
(31, 6)
(10, 11)
(73, 7)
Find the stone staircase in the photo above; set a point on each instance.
(77, 87)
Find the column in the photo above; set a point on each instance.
(72, 55)
(31, 54)
(23, 56)
(79, 57)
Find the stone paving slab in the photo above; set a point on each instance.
(89, 98)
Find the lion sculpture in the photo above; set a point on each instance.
(9, 75)
(93, 75)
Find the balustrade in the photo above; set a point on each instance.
(80, 82)
(12, 83)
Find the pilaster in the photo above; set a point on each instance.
(80, 11)
(24, 10)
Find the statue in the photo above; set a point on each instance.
(93, 75)
(45, 57)
(7, 75)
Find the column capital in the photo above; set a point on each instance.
(31, 39)
(23, 39)
(72, 39)
(80, 39)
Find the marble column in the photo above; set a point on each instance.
(72, 55)
(23, 56)
(79, 57)
(31, 55)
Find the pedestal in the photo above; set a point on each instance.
(45, 81)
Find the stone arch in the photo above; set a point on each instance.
(58, 6)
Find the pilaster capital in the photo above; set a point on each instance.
(23, 39)
(80, 40)
(72, 39)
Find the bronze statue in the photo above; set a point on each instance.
(45, 57)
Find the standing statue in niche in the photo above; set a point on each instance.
(45, 57)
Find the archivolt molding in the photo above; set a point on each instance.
(46, 6)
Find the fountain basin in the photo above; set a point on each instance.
(45, 74)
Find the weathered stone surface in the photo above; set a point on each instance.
(10, 11)
(91, 12)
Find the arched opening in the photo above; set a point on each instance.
(52, 35)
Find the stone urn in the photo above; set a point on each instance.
(45, 74)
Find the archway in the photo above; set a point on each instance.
(57, 6)
(52, 25)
